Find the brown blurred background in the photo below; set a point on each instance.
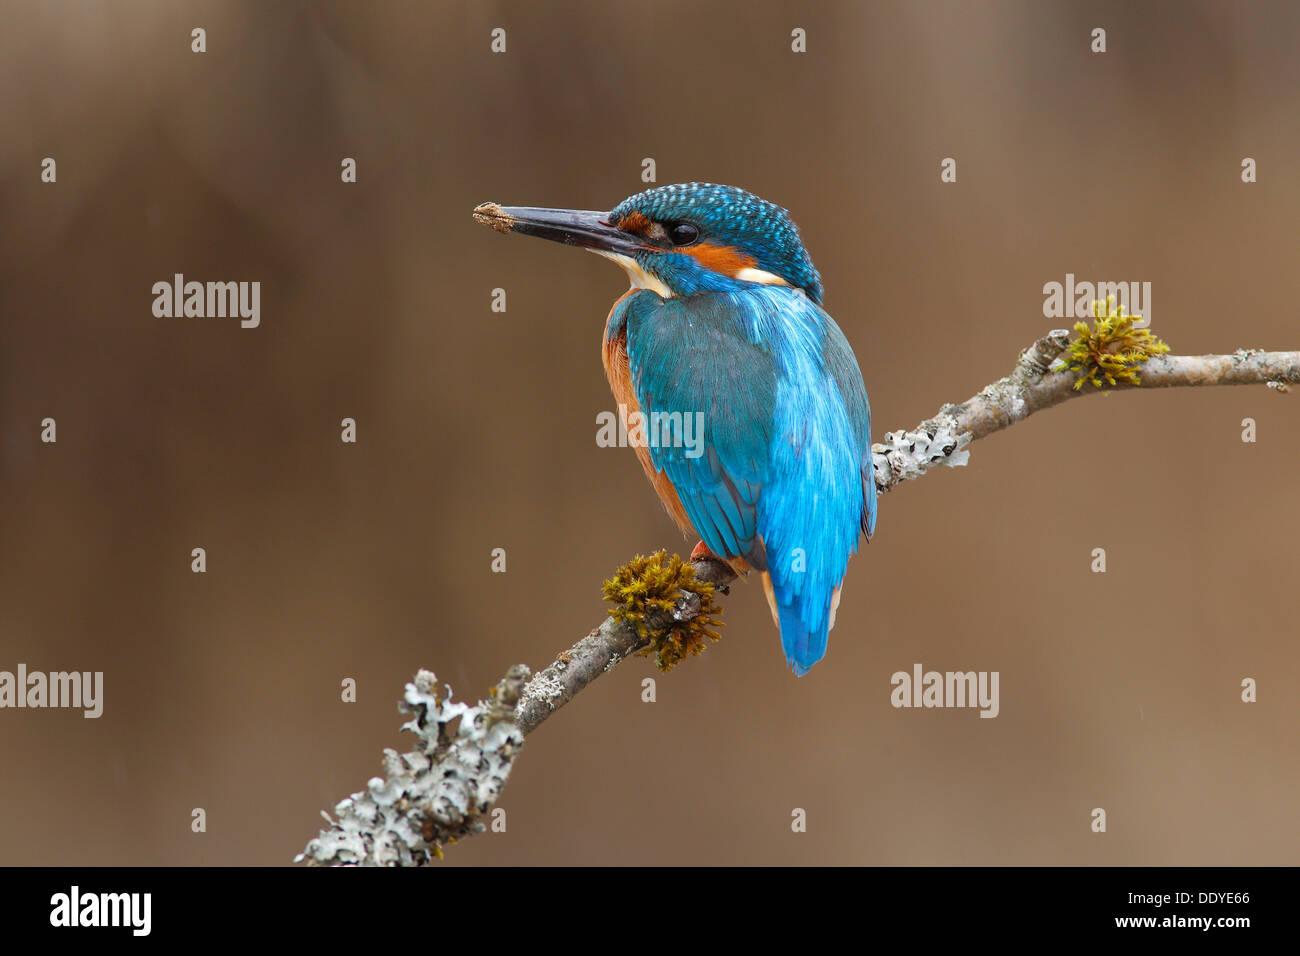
(477, 429)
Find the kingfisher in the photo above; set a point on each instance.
(723, 325)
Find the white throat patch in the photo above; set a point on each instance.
(760, 276)
(639, 278)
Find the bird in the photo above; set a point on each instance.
(723, 323)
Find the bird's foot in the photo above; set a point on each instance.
(701, 552)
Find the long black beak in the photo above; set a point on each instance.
(573, 227)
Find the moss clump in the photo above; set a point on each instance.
(1111, 351)
(652, 585)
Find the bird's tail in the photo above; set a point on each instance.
(804, 620)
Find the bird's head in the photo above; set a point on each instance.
(679, 240)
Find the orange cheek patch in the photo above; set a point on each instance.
(725, 260)
(634, 222)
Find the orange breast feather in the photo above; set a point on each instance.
(620, 383)
(614, 358)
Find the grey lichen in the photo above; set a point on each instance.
(942, 440)
(436, 793)
(905, 455)
(546, 686)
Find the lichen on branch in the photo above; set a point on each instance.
(436, 793)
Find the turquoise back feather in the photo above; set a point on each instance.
(784, 475)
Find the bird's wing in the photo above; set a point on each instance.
(696, 371)
(817, 498)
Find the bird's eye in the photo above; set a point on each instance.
(683, 233)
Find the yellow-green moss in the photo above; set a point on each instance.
(1111, 351)
(654, 583)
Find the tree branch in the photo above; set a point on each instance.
(1033, 385)
(438, 792)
